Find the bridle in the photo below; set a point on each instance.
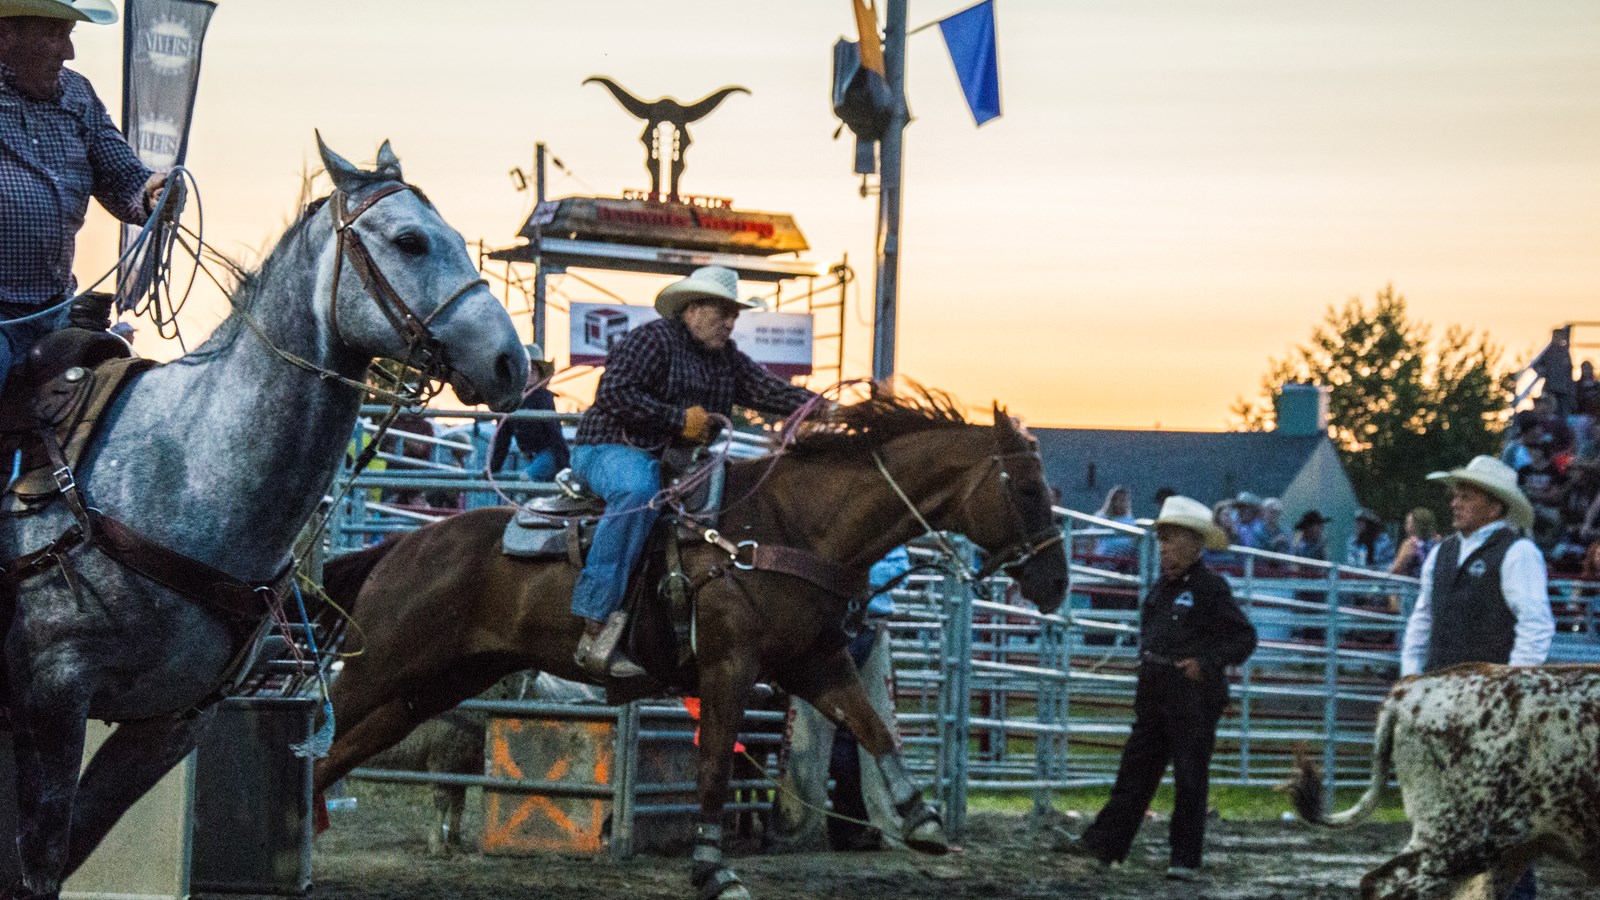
(1031, 544)
(1016, 553)
(424, 351)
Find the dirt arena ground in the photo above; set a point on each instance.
(378, 852)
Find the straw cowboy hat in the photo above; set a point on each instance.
(1496, 479)
(704, 283)
(100, 12)
(1193, 515)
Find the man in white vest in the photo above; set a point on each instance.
(1484, 595)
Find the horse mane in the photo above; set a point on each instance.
(247, 280)
(863, 427)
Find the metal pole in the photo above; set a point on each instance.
(890, 153)
(1330, 688)
(538, 246)
(955, 701)
(625, 769)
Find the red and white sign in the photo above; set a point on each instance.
(779, 341)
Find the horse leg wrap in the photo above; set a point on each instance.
(707, 854)
(921, 827)
(901, 790)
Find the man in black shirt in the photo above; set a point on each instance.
(1190, 631)
(544, 448)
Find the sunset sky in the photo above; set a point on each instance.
(1176, 191)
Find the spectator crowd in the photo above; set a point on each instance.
(1555, 450)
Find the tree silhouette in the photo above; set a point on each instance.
(1400, 403)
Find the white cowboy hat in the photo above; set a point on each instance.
(1191, 514)
(704, 283)
(100, 12)
(1498, 480)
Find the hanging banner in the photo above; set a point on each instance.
(779, 341)
(161, 71)
(160, 74)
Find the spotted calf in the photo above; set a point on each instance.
(1497, 766)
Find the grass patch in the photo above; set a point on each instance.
(1232, 802)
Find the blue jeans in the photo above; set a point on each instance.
(541, 468)
(1526, 888)
(627, 478)
(17, 340)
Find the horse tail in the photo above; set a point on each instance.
(1307, 786)
(343, 576)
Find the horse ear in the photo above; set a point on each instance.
(1009, 435)
(388, 163)
(346, 177)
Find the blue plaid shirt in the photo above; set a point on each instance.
(54, 155)
(659, 370)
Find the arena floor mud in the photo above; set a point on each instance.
(378, 852)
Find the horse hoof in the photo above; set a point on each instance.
(928, 838)
(721, 884)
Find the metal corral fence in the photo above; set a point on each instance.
(995, 696)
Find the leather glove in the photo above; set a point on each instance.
(696, 425)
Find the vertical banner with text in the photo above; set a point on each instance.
(161, 72)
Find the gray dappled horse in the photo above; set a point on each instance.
(223, 456)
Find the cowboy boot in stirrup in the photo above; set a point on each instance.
(598, 654)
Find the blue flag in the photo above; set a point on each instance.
(970, 36)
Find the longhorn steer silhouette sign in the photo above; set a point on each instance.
(670, 111)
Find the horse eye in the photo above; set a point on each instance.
(412, 243)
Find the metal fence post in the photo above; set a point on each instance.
(1330, 687)
(955, 703)
(625, 788)
(1050, 744)
(1244, 674)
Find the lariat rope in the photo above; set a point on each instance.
(946, 550)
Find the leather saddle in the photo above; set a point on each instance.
(68, 380)
(561, 526)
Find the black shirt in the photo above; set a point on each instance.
(534, 436)
(1193, 615)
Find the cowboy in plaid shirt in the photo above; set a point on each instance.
(662, 383)
(57, 149)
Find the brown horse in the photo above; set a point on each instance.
(444, 613)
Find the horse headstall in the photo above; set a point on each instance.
(1032, 542)
(423, 350)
